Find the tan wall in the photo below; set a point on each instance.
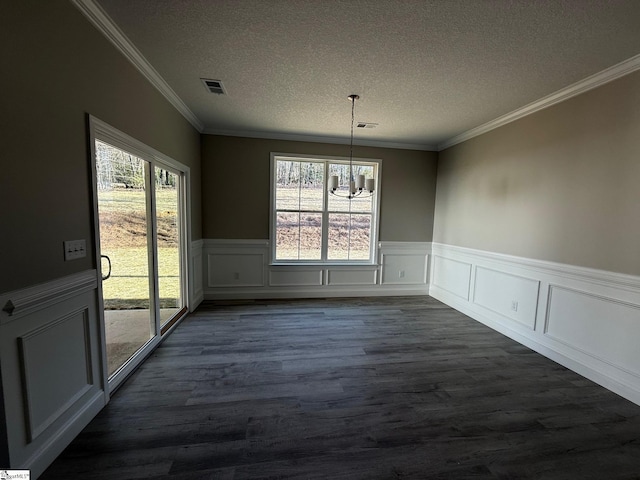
(560, 185)
(58, 68)
(235, 178)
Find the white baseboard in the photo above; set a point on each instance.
(585, 319)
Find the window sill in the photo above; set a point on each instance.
(363, 264)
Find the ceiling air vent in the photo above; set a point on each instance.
(366, 125)
(214, 86)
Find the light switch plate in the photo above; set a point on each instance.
(74, 249)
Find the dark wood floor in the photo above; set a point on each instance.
(378, 388)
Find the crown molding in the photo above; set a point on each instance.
(320, 139)
(109, 29)
(605, 76)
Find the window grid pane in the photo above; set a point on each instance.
(349, 237)
(287, 183)
(339, 237)
(359, 249)
(287, 236)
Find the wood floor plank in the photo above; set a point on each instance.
(363, 388)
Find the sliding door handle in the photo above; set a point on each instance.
(104, 277)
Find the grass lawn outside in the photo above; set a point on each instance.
(123, 238)
(128, 286)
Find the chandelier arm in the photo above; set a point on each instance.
(354, 195)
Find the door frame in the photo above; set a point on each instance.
(99, 130)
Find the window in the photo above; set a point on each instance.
(310, 225)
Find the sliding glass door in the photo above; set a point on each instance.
(126, 252)
(140, 224)
(167, 211)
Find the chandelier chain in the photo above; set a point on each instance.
(353, 107)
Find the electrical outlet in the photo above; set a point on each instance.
(401, 274)
(74, 249)
(236, 276)
(514, 305)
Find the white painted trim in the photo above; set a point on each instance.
(601, 277)
(605, 76)
(107, 133)
(101, 20)
(406, 247)
(19, 303)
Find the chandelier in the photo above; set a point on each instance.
(358, 185)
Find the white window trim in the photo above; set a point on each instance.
(375, 215)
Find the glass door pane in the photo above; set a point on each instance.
(125, 246)
(167, 186)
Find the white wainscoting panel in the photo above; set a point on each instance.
(51, 388)
(351, 276)
(451, 275)
(506, 294)
(587, 320)
(240, 269)
(605, 328)
(52, 372)
(232, 264)
(295, 276)
(236, 270)
(404, 263)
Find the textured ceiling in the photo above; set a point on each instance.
(426, 71)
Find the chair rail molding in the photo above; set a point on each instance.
(22, 302)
